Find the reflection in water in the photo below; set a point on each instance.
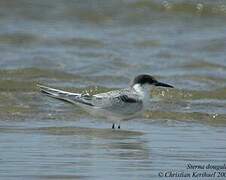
(76, 150)
(89, 153)
(89, 132)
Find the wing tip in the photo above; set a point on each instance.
(40, 86)
(45, 90)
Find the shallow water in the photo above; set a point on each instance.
(97, 46)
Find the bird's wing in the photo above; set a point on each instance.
(117, 99)
(119, 103)
(67, 96)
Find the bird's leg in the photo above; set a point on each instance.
(119, 126)
(113, 126)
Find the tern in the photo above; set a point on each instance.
(116, 105)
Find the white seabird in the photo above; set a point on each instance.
(114, 105)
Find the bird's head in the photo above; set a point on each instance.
(146, 82)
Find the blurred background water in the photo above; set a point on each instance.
(98, 45)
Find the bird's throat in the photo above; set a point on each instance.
(143, 91)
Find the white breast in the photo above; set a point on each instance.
(144, 93)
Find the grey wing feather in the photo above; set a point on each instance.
(127, 99)
(119, 101)
(67, 96)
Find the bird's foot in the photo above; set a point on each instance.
(114, 126)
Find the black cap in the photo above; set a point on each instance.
(148, 79)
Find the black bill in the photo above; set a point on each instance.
(163, 84)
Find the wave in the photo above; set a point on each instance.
(107, 11)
